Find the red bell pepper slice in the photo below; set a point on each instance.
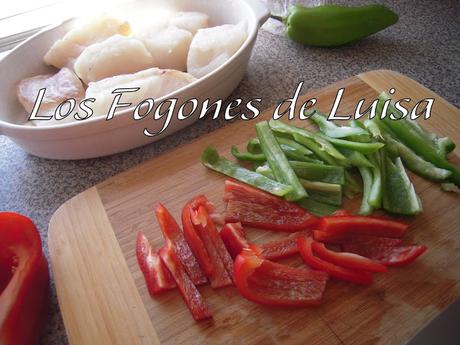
(234, 238)
(328, 237)
(348, 260)
(256, 208)
(190, 293)
(281, 249)
(385, 250)
(157, 276)
(361, 225)
(172, 232)
(354, 276)
(215, 247)
(24, 281)
(276, 285)
(195, 242)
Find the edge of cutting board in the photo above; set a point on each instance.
(75, 241)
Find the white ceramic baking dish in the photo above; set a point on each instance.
(97, 137)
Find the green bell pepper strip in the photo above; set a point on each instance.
(278, 162)
(399, 194)
(363, 138)
(353, 145)
(247, 156)
(450, 187)
(357, 124)
(356, 158)
(253, 146)
(332, 130)
(318, 151)
(375, 193)
(326, 174)
(292, 145)
(334, 25)
(314, 172)
(415, 163)
(319, 172)
(291, 149)
(443, 145)
(321, 186)
(329, 198)
(327, 193)
(374, 129)
(351, 186)
(308, 138)
(366, 209)
(211, 159)
(317, 208)
(411, 136)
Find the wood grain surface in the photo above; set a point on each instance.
(104, 299)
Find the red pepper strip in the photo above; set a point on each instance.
(256, 208)
(156, 275)
(348, 260)
(275, 285)
(173, 233)
(354, 276)
(24, 281)
(387, 252)
(216, 239)
(280, 249)
(328, 237)
(190, 293)
(210, 237)
(195, 242)
(361, 225)
(234, 238)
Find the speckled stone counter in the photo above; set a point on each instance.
(424, 45)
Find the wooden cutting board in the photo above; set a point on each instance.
(104, 299)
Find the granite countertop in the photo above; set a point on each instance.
(424, 45)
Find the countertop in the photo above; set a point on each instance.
(424, 45)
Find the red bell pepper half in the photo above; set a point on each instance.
(276, 285)
(173, 233)
(24, 281)
(157, 276)
(190, 293)
(348, 260)
(354, 276)
(234, 238)
(387, 251)
(256, 208)
(361, 225)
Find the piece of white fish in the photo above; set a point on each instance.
(169, 48)
(212, 47)
(153, 83)
(59, 87)
(114, 56)
(65, 50)
(190, 21)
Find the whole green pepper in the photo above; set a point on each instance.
(334, 25)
